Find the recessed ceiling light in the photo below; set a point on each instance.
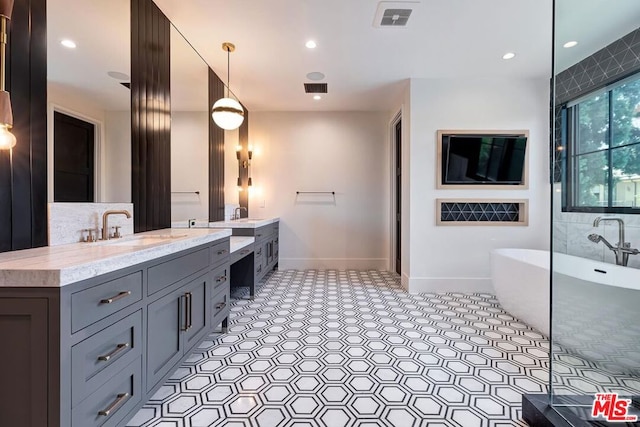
(118, 75)
(311, 44)
(572, 43)
(509, 55)
(317, 97)
(68, 43)
(315, 75)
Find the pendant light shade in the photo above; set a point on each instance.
(227, 112)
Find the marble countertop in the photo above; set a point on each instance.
(55, 266)
(239, 242)
(244, 223)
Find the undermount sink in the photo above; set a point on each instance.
(145, 240)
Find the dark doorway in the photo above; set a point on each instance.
(398, 201)
(73, 159)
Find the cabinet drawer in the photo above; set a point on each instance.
(169, 272)
(240, 253)
(102, 355)
(259, 267)
(263, 232)
(108, 405)
(93, 304)
(220, 304)
(219, 252)
(220, 279)
(258, 251)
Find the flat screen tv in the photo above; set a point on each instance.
(483, 159)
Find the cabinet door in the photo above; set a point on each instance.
(24, 361)
(165, 322)
(198, 302)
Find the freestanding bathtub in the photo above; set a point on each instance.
(596, 305)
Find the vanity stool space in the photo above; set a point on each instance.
(247, 270)
(91, 352)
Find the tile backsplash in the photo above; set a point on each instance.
(68, 220)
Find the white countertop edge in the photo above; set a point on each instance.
(244, 223)
(239, 242)
(101, 264)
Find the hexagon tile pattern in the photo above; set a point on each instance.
(351, 348)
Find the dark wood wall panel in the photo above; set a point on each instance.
(23, 172)
(244, 172)
(216, 154)
(151, 115)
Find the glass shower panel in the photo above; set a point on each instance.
(595, 311)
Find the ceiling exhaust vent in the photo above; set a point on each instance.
(394, 14)
(315, 88)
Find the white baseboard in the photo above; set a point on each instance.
(333, 263)
(404, 281)
(449, 284)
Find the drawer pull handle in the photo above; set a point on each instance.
(224, 251)
(221, 279)
(115, 298)
(221, 305)
(260, 269)
(244, 252)
(114, 353)
(187, 311)
(260, 252)
(116, 403)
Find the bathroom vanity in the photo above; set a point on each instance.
(94, 329)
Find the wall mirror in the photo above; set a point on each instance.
(594, 319)
(89, 102)
(189, 132)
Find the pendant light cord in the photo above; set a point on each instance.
(228, 72)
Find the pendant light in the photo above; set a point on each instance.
(7, 139)
(227, 112)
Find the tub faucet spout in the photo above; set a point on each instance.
(623, 249)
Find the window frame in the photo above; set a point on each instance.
(570, 120)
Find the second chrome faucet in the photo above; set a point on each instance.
(623, 249)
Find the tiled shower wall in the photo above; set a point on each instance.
(570, 231)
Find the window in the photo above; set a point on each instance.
(603, 150)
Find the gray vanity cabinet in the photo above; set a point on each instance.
(91, 353)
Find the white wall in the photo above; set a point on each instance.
(189, 165)
(345, 152)
(450, 258)
(117, 157)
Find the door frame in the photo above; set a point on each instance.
(97, 149)
(392, 183)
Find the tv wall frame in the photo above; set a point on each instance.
(525, 173)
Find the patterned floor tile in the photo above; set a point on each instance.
(352, 348)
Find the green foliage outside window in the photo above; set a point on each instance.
(605, 148)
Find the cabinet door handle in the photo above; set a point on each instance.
(116, 403)
(224, 251)
(114, 353)
(186, 312)
(189, 296)
(221, 279)
(121, 295)
(260, 252)
(221, 305)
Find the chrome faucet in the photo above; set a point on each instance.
(236, 212)
(623, 249)
(105, 223)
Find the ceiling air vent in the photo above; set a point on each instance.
(393, 14)
(315, 88)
